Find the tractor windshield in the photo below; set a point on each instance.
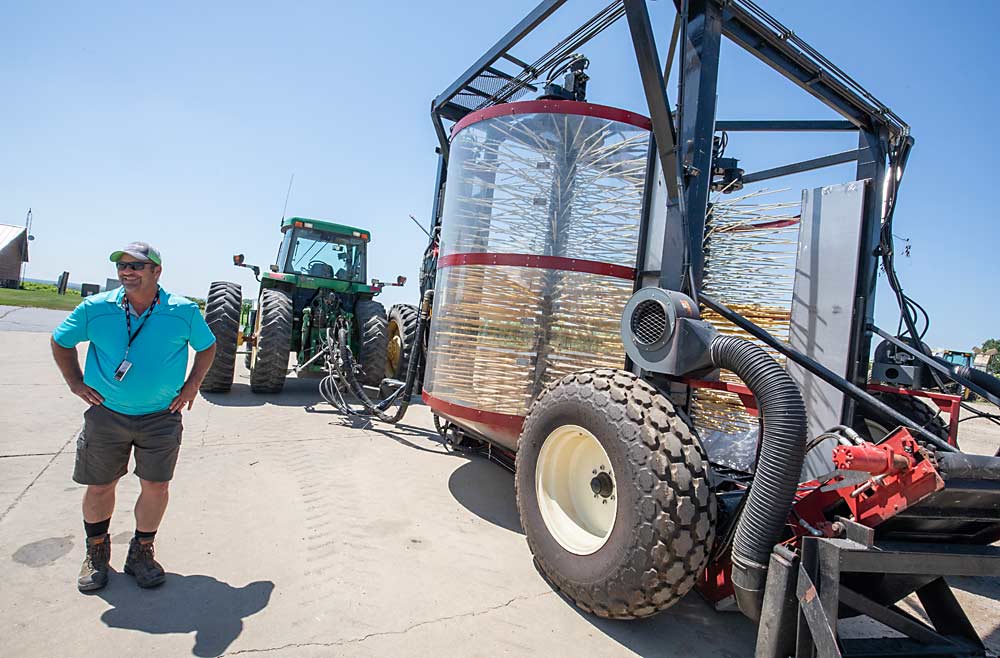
(325, 255)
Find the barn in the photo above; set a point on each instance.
(13, 254)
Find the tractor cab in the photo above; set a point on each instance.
(323, 250)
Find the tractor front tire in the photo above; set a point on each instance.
(269, 364)
(372, 340)
(402, 332)
(612, 490)
(222, 313)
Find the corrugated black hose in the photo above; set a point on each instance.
(984, 380)
(776, 477)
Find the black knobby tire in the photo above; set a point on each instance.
(274, 342)
(665, 521)
(873, 426)
(402, 337)
(222, 313)
(372, 340)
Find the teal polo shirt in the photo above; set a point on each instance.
(159, 355)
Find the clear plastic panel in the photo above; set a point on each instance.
(498, 338)
(548, 185)
(541, 185)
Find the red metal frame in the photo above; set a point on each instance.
(489, 423)
(553, 107)
(538, 262)
(746, 396)
(946, 402)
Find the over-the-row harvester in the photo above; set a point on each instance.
(682, 385)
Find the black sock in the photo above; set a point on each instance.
(97, 529)
(147, 536)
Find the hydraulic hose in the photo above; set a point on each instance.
(984, 380)
(377, 409)
(776, 477)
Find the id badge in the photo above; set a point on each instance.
(122, 370)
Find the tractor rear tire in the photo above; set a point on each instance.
(606, 436)
(222, 313)
(373, 341)
(402, 338)
(274, 342)
(873, 427)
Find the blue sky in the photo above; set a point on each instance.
(180, 123)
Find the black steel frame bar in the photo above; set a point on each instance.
(776, 50)
(871, 168)
(820, 595)
(500, 48)
(699, 77)
(827, 375)
(894, 619)
(914, 558)
(933, 363)
(443, 108)
(805, 165)
(808, 125)
(675, 236)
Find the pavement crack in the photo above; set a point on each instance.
(364, 638)
(35, 479)
(8, 312)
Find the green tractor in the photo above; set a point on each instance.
(319, 278)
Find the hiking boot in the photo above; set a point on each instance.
(141, 565)
(94, 572)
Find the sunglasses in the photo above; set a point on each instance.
(135, 267)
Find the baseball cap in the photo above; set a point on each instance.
(140, 250)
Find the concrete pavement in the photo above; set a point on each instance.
(295, 532)
(20, 318)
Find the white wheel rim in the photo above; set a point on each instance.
(579, 519)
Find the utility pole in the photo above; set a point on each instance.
(24, 248)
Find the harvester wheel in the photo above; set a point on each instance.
(222, 313)
(613, 494)
(269, 360)
(372, 340)
(402, 331)
(873, 427)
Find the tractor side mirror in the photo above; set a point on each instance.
(238, 260)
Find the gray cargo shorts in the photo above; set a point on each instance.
(107, 438)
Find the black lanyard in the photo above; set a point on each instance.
(128, 320)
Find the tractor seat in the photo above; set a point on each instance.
(321, 270)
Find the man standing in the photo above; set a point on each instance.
(134, 383)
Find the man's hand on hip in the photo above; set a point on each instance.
(85, 393)
(186, 396)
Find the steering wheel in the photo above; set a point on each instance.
(316, 262)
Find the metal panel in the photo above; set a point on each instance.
(823, 301)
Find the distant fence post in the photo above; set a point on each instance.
(63, 283)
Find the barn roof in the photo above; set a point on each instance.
(10, 234)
